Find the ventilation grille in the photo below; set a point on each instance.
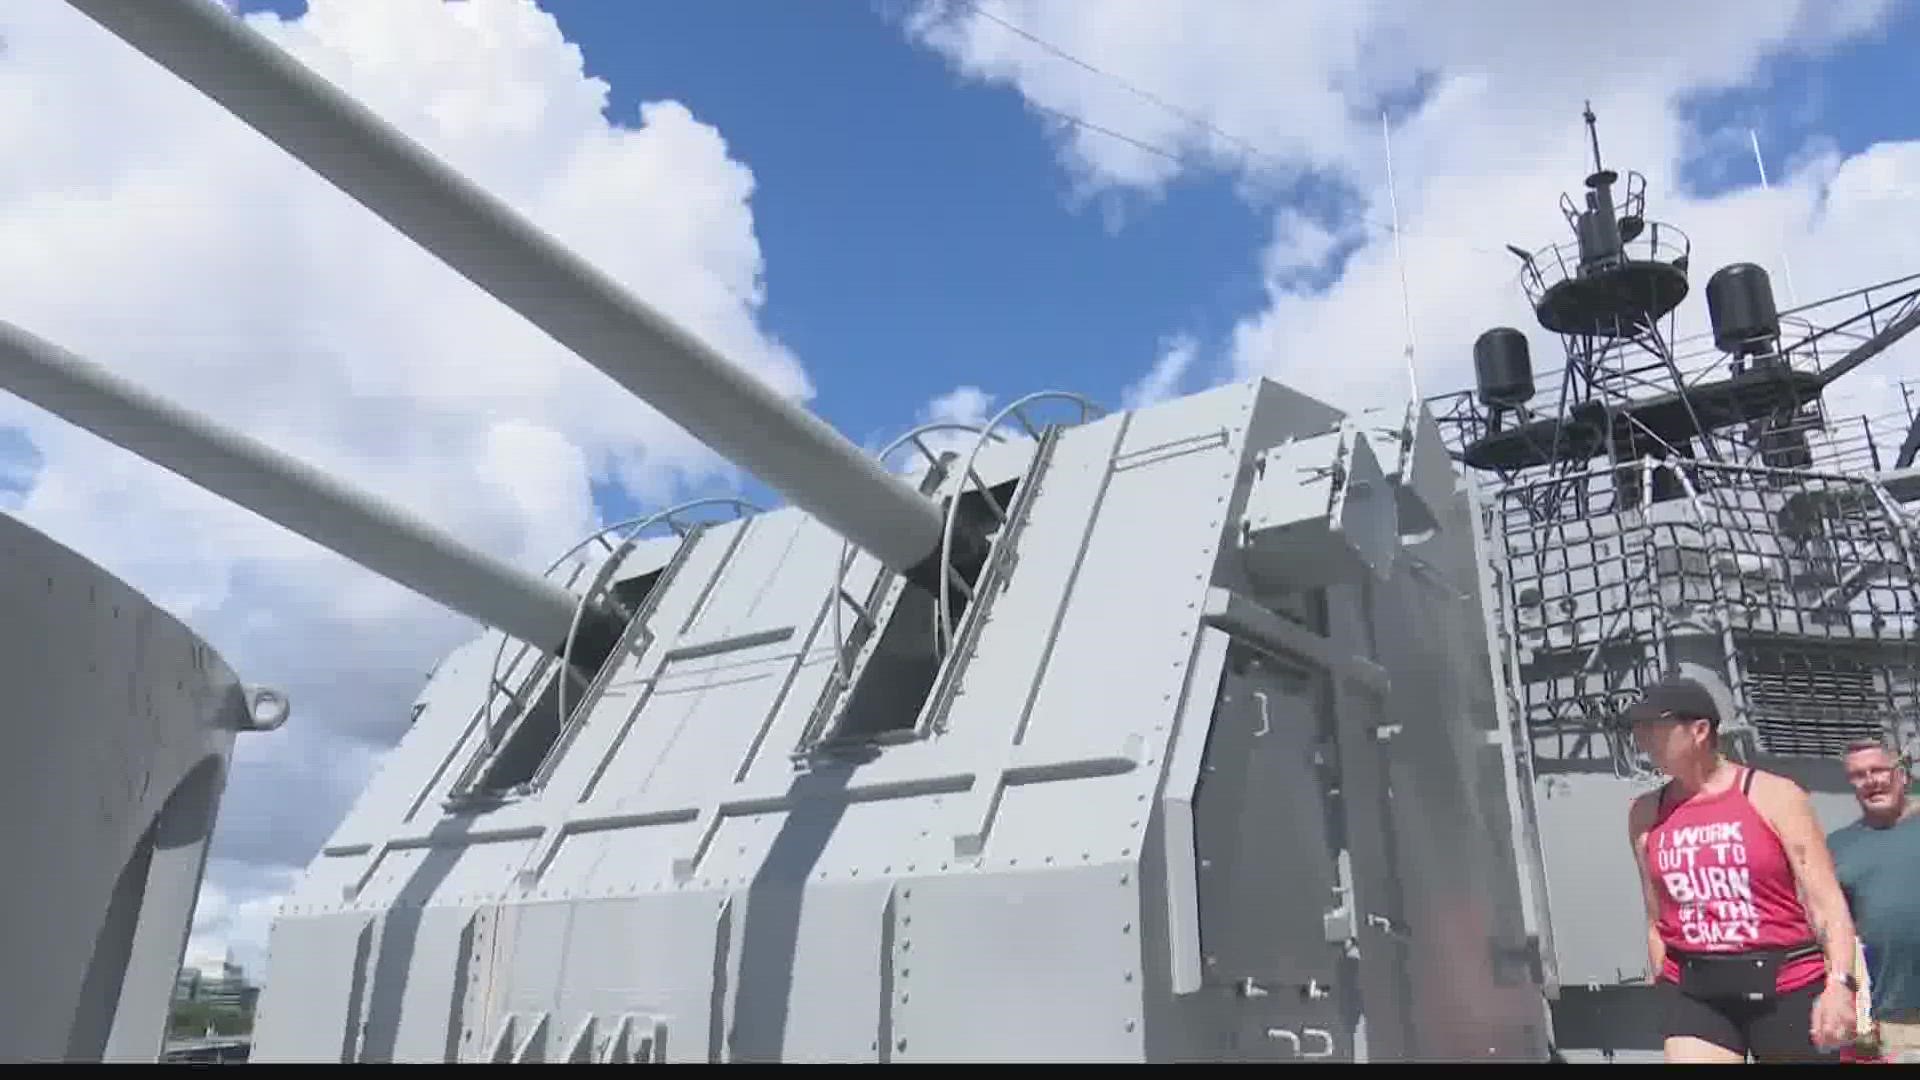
(1814, 711)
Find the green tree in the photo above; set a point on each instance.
(189, 1019)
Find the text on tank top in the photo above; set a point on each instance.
(1725, 884)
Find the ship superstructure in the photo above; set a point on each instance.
(1660, 503)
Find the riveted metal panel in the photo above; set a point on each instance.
(1044, 966)
(331, 955)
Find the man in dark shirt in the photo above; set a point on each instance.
(1877, 860)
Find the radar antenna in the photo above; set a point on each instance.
(1593, 135)
(1689, 503)
(1630, 389)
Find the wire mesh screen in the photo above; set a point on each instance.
(1796, 588)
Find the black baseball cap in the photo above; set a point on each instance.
(1675, 698)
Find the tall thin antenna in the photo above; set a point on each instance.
(1399, 257)
(1593, 136)
(1760, 162)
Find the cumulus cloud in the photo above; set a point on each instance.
(151, 232)
(1487, 134)
(234, 916)
(1163, 379)
(970, 407)
(967, 405)
(955, 419)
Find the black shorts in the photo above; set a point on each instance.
(1777, 1030)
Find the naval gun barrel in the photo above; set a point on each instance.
(380, 537)
(787, 447)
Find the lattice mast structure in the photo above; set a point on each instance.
(1680, 504)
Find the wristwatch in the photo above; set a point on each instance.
(1847, 980)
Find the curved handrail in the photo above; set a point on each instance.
(913, 436)
(984, 434)
(1550, 265)
(943, 624)
(634, 526)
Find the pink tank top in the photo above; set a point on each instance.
(1725, 884)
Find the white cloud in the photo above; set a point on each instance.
(972, 407)
(234, 916)
(1162, 380)
(968, 405)
(1299, 85)
(153, 233)
(961, 415)
(1480, 164)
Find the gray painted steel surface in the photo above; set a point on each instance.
(123, 723)
(1211, 772)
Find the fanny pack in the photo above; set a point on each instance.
(1741, 976)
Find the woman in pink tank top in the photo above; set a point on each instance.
(1748, 931)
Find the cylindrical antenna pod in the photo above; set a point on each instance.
(380, 537)
(1503, 369)
(1741, 308)
(787, 447)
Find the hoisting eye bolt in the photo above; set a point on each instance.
(267, 709)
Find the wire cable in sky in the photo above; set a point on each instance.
(1150, 148)
(1144, 145)
(1132, 88)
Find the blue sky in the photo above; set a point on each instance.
(1852, 97)
(919, 233)
(917, 230)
